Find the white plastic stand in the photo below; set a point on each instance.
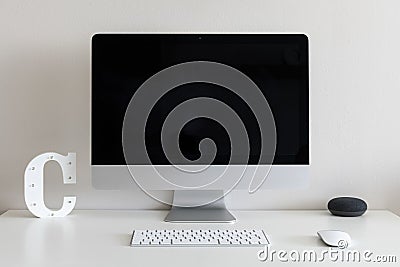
(34, 187)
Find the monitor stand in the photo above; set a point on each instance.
(215, 212)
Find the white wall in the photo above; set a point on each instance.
(355, 56)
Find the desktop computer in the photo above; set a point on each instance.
(199, 114)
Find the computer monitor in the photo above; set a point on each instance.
(201, 114)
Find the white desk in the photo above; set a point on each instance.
(101, 238)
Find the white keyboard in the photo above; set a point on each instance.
(198, 238)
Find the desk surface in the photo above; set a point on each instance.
(101, 238)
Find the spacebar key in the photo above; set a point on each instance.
(195, 242)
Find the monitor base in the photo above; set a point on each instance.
(185, 209)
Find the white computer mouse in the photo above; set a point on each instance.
(335, 238)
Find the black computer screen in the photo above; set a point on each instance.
(276, 63)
